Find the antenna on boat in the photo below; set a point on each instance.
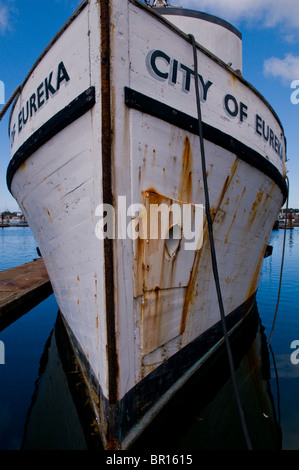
(160, 3)
(157, 3)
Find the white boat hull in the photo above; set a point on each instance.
(121, 130)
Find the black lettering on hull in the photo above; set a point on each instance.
(265, 131)
(43, 93)
(163, 67)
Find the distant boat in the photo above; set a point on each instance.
(16, 221)
(107, 125)
(276, 225)
(289, 224)
(287, 220)
(13, 222)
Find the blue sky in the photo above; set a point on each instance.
(270, 30)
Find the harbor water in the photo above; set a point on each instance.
(37, 410)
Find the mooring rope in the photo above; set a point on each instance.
(213, 252)
(7, 105)
(277, 383)
(282, 263)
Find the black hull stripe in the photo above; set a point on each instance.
(145, 104)
(149, 391)
(47, 131)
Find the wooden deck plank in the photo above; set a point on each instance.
(22, 288)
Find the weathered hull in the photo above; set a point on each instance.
(141, 316)
(61, 415)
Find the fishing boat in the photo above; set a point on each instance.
(151, 174)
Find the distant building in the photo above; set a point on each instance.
(12, 218)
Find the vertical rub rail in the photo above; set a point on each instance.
(108, 197)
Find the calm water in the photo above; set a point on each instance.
(17, 246)
(269, 384)
(24, 343)
(286, 328)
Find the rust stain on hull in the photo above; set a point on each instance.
(191, 292)
(255, 205)
(48, 212)
(155, 272)
(185, 184)
(234, 216)
(226, 184)
(256, 274)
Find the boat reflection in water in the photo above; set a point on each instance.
(202, 416)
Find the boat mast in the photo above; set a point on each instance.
(160, 3)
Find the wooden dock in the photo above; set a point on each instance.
(13, 225)
(21, 289)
